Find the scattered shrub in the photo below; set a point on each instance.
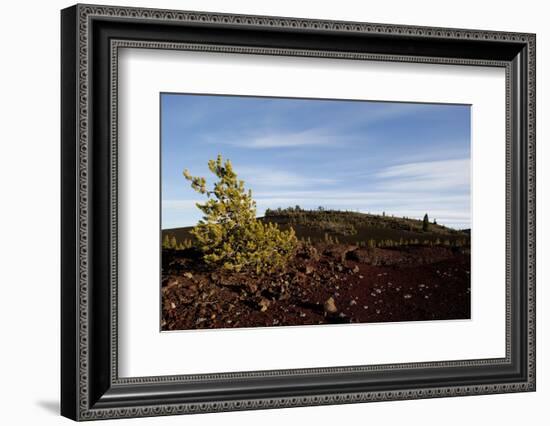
(426, 223)
(170, 242)
(166, 242)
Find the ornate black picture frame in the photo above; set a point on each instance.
(91, 36)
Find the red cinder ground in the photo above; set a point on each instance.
(323, 284)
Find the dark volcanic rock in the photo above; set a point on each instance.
(361, 255)
(310, 252)
(339, 251)
(325, 284)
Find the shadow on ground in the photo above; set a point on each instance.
(50, 406)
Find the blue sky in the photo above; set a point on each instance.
(402, 158)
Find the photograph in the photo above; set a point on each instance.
(298, 212)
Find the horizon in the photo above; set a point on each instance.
(404, 159)
(341, 211)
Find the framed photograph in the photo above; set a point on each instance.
(263, 212)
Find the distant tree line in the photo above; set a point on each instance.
(384, 243)
(346, 222)
(170, 242)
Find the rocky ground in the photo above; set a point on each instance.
(324, 284)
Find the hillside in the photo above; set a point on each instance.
(350, 227)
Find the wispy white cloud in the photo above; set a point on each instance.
(427, 176)
(328, 132)
(258, 179)
(374, 195)
(268, 139)
(385, 111)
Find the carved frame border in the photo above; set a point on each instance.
(85, 13)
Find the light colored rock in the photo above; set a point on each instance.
(264, 304)
(330, 306)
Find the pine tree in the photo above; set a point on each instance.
(173, 243)
(229, 235)
(166, 242)
(426, 223)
